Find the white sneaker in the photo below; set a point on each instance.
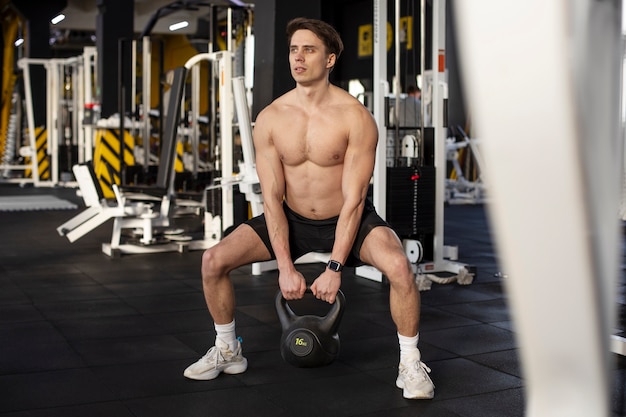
(414, 380)
(218, 359)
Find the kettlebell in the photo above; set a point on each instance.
(309, 341)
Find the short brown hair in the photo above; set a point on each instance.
(329, 36)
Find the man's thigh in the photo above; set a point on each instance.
(241, 247)
(381, 249)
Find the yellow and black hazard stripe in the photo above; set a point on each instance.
(43, 159)
(179, 165)
(106, 158)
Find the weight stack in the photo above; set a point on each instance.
(411, 204)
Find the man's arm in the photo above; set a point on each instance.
(271, 177)
(357, 172)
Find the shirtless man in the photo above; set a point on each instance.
(315, 152)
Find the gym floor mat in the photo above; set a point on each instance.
(34, 203)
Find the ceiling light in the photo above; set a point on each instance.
(179, 25)
(57, 19)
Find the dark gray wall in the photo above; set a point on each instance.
(114, 30)
(272, 77)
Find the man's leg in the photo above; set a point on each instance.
(243, 246)
(383, 250)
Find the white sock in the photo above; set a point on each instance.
(408, 348)
(226, 333)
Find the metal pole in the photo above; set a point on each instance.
(133, 86)
(224, 61)
(226, 134)
(121, 105)
(78, 104)
(422, 72)
(381, 87)
(54, 125)
(30, 117)
(397, 83)
(195, 110)
(146, 99)
(89, 54)
(229, 29)
(440, 131)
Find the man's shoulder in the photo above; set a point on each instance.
(347, 100)
(341, 94)
(274, 110)
(346, 103)
(279, 102)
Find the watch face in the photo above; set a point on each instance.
(334, 266)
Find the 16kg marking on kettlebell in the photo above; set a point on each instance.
(300, 342)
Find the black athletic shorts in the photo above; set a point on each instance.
(306, 235)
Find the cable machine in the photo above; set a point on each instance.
(411, 197)
(69, 87)
(198, 130)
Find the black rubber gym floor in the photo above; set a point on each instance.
(83, 334)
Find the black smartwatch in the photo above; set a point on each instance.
(334, 266)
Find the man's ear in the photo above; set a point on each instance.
(330, 62)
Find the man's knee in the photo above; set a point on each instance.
(399, 271)
(212, 264)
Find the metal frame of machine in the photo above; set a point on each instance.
(445, 257)
(58, 126)
(130, 213)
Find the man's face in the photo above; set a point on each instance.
(308, 58)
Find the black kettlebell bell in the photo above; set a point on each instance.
(309, 341)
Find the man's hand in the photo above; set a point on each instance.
(325, 286)
(292, 284)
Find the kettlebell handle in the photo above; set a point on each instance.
(333, 317)
(330, 321)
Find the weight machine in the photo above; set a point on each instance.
(129, 212)
(243, 64)
(69, 87)
(443, 267)
(460, 189)
(134, 211)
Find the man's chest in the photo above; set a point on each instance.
(317, 140)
